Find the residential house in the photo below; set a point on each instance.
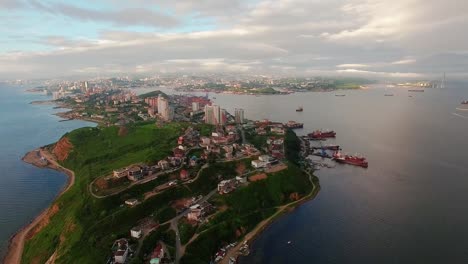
(157, 255)
(120, 173)
(120, 255)
(226, 186)
(198, 211)
(179, 153)
(135, 233)
(228, 151)
(278, 130)
(258, 164)
(184, 175)
(131, 202)
(135, 173)
(164, 164)
(205, 141)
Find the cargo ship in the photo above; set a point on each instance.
(299, 109)
(352, 160)
(320, 135)
(328, 147)
(294, 124)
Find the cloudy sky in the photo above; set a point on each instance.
(372, 38)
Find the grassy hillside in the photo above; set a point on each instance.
(84, 228)
(246, 207)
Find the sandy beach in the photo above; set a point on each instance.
(41, 158)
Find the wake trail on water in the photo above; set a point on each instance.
(462, 109)
(462, 116)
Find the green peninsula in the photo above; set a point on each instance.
(185, 200)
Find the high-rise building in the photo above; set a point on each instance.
(195, 106)
(239, 115)
(215, 115)
(164, 109)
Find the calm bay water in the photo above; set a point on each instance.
(25, 190)
(409, 206)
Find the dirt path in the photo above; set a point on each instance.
(15, 249)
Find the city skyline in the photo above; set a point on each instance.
(399, 39)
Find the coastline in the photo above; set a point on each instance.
(263, 225)
(40, 158)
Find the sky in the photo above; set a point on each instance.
(399, 39)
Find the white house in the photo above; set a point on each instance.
(258, 164)
(131, 202)
(135, 233)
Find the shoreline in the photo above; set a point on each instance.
(40, 158)
(250, 237)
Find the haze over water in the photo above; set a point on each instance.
(26, 190)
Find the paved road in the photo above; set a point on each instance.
(179, 252)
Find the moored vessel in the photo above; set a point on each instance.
(319, 134)
(294, 124)
(351, 160)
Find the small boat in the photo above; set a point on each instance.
(299, 109)
(464, 102)
(388, 94)
(340, 94)
(416, 90)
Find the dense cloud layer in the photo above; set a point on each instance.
(375, 38)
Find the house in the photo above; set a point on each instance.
(135, 233)
(226, 186)
(179, 153)
(193, 161)
(135, 173)
(157, 255)
(264, 158)
(180, 141)
(278, 130)
(131, 202)
(198, 211)
(241, 180)
(205, 141)
(184, 175)
(229, 150)
(175, 161)
(258, 164)
(164, 164)
(120, 173)
(120, 255)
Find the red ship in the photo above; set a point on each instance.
(319, 134)
(352, 160)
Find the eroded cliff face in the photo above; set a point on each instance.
(62, 149)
